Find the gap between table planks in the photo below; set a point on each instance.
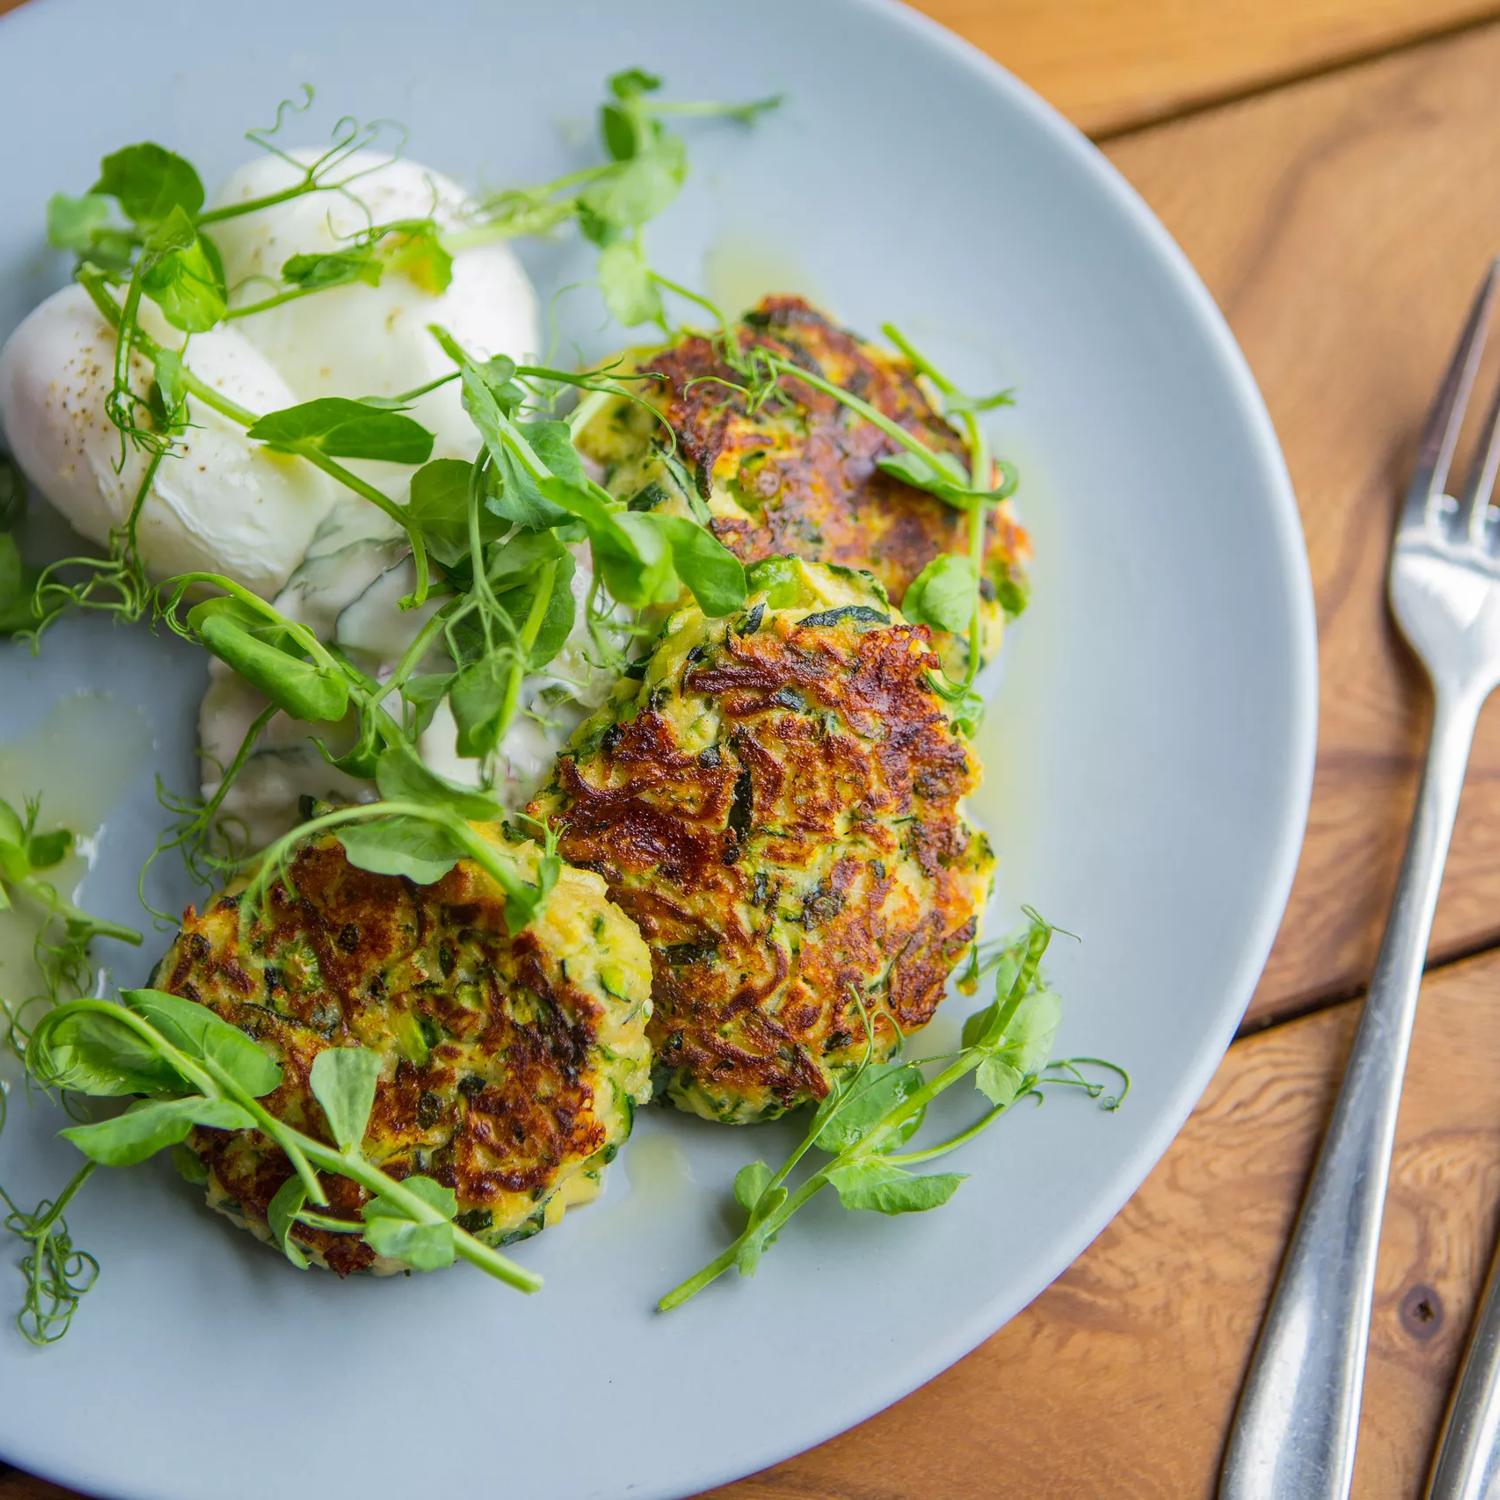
(1111, 66)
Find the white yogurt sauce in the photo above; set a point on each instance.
(355, 554)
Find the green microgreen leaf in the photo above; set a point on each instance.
(150, 1126)
(630, 291)
(478, 699)
(631, 83)
(85, 226)
(877, 1187)
(332, 268)
(424, 1245)
(72, 223)
(749, 1183)
(44, 850)
(343, 428)
(641, 186)
(516, 496)
(171, 388)
(89, 1051)
(999, 1081)
(268, 653)
(423, 692)
(20, 609)
(195, 1030)
(401, 777)
(713, 574)
(343, 1081)
(12, 494)
(416, 250)
(519, 569)
(148, 182)
(281, 1214)
(189, 1166)
(421, 851)
(938, 474)
(439, 507)
(13, 835)
(411, 247)
(428, 1189)
(183, 275)
(846, 1116)
(942, 594)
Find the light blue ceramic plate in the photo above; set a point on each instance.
(1149, 753)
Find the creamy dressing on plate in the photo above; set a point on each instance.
(347, 590)
(79, 760)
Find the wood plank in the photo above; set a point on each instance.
(1120, 1380)
(1111, 65)
(1343, 225)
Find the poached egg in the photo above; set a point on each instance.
(362, 340)
(219, 503)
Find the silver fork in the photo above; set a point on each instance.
(1294, 1432)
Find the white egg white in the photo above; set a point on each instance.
(219, 503)
(362, 340)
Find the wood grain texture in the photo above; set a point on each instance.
(1120, 1380)
(1111, 65)
(1342, 225)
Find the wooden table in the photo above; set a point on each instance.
(1332, 167)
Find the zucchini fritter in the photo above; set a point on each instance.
(798, 476)
(777, 805)
(511, 1066)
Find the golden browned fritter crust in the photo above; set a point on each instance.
(799, 476)
(511, 1065)
(779, 811)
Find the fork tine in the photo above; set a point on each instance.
(1441, 434)
(1480, 485)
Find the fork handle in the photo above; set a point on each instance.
(1298, 1416)
(1467, 1466)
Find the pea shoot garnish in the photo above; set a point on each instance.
(56, 1272)
(864, 1128)
(186, 1068)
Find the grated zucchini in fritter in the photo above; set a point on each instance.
(798, 476)
(511, 1065)
(777, 804)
